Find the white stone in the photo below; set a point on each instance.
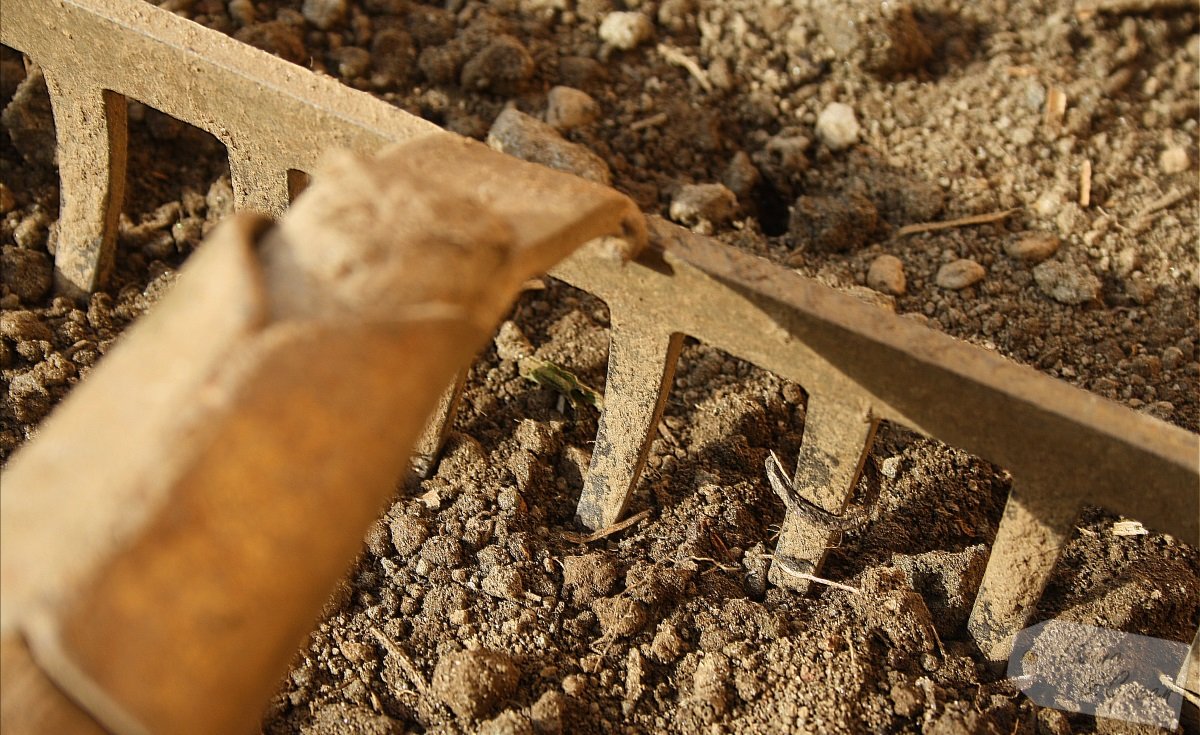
(1174, 160)
(959, 274)
(625, 30)
(567, 108)
(886, 275)
(324, 13)
(837, 127)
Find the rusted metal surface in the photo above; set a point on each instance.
(859, 365)
(251, 462)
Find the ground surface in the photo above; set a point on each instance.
(963, 108)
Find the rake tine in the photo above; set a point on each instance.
(1036, 525)
(837, 438)
(641, 366)
(258, 184)
(92, 134)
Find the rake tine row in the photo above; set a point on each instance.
(1065, 447)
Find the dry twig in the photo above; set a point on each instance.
(406, 664)
(674, 56)
(1085, 183)
(581, 538)
(975, 219)
(811, 577)
(649, 122)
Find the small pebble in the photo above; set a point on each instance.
(626, 30)
(886, 275)
(959, 274)
(1139, 288)
(703, 205)
(530, 139)
(568, 108)
(1066, 283)
(1174, 160)
(324, 13)
(837, 127)
(1033, 248)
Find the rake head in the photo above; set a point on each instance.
(1064, 447)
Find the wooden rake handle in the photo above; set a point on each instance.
(171, 535)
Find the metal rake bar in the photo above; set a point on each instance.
(859, 365)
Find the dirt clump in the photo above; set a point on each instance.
(473, 683)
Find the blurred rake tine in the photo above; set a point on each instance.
(90, 124)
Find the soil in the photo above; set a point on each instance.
(469, 610)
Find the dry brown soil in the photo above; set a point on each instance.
(469, 610)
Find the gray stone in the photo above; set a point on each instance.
(530, 139)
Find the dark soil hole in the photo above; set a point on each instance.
(772, 209)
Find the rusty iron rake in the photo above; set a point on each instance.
(1065, 448)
